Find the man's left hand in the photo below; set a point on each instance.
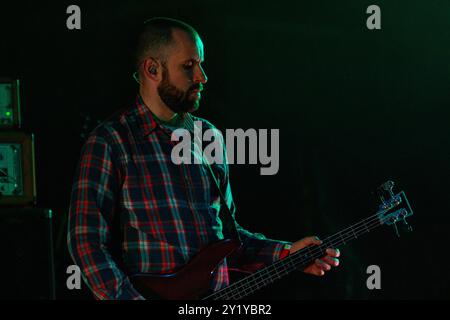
(320, 266)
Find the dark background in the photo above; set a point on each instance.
(354, 107)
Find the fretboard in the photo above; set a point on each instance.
(294, 262)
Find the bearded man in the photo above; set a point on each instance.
(134, 211)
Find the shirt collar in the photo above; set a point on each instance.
(146, 120)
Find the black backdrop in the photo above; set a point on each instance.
(354, 107)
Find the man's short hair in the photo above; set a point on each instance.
(156, 37)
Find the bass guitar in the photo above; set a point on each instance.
(192, 281)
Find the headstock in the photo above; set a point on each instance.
(394, 207)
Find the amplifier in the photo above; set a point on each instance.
(17, 169)
(26, 251)
(9, 104)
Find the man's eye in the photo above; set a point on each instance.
(188, 66)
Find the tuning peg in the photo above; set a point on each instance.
(388, 186)
(384, 191)
(396, 229)
(408, 226)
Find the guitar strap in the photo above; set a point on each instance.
(228, 222)
(225, 215)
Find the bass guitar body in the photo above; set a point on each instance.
(190, 282)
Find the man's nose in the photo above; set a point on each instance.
(200, 76)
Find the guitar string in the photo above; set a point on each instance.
(247, 283)
(275, 266)
(298, 258)
(284, 272)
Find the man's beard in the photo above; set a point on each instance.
(177, 100)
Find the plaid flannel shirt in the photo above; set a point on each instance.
(166, 213)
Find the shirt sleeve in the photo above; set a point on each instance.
(93, 199)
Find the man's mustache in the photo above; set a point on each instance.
(197, 86)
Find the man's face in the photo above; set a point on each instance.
(182, 75)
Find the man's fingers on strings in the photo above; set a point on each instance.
(322, 265)
(310, 240)
(331, 261)
(333, 252)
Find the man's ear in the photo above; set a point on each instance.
(151, 69)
